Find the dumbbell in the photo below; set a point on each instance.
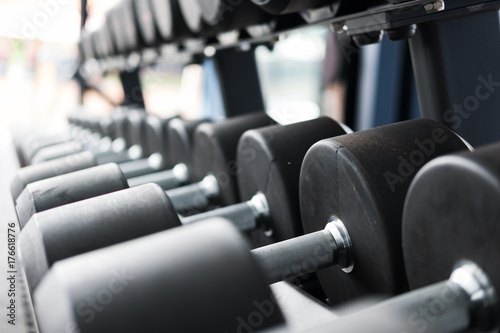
(225, 16)
(280, 7)
(123, 30)
(144, 20)
(214, 168)
(179, 134)
(467, 300)
(451, 214)
(214, 153)
(270, 159)
(169, 20)
(36, 145)
(221, 138)
(92, 214)
(219, 292)
(132, 128)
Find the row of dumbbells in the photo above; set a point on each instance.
(398, 207)
(134, 25)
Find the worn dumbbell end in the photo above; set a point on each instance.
(83, 226)
(362, 179)
(200, 278)
(452, 213)
(61, 190)
(48, 169)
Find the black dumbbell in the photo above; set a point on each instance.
(465, 301)
(192, 13)
(179, 144)
(124, 29)
(280, 7)
(367, 193)
(193, 289)
(102, 40)
(271, 161)
(214, 167)
(131, 127)
(451, 214)
(225, 16)
(36, 146)
(267, 170)
(222, 137)
(63, 217)
(144, 20)
(439, 198)
(169, 20)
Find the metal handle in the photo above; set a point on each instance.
(167, 179)
(465, 302)
(306, 254)
(194, 196)
(245, 215)
(242, 215)
(143, 166)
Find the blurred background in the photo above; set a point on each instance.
(38, 57)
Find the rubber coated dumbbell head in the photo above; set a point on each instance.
(69, 230)
(279, 7)
(71, 187)
(452, 213)
(364, 185)
(57, 151)
(169, 20)
(214, 151)
(229, 16)
(173, 280)
(180, 135)
(269, 161)
(49, 169)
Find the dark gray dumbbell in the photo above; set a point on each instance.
(267, 171)
(267, 144)
(37, 226)
(367, 194)
(214, 167)
(266, 165)
(466, 300)
(50, 193)
(179, 134)
(139, 288)
(280, 7)
(229, 16)
(133, 146)
(169, 21)
(85, 132)
(452, 213)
